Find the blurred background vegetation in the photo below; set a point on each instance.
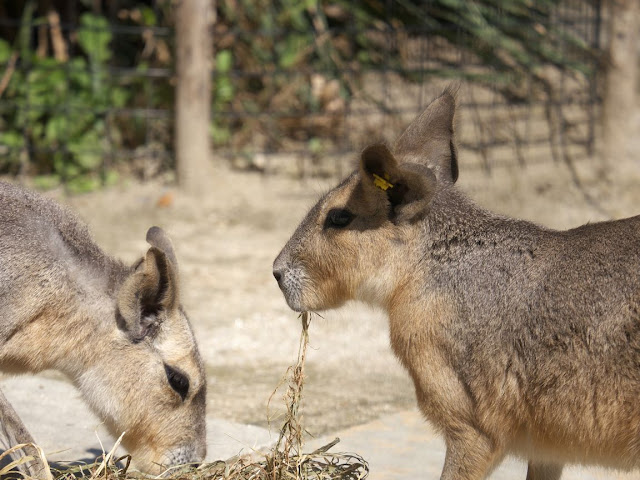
(87, 87)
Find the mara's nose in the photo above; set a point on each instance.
(280, 268)
(277, 274)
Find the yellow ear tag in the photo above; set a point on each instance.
(382, 183)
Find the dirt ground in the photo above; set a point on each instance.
(226, 243)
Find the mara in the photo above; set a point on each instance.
(519, 339)
(118, 332)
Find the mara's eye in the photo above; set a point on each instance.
(178, 381)
(338, 218)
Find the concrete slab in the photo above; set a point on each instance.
(404, 447)
(401, 446)
(62, 424)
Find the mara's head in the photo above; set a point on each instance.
(353, 243)
(147, 378)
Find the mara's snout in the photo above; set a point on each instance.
(290, 280)
(156, 462)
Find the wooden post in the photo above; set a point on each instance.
(194, 56)
(621, 78)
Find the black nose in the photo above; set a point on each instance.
(277, 274)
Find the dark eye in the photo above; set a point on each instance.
(178, 381)
(338, 218)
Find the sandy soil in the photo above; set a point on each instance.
(226, 244)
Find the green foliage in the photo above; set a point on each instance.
(57, 120)
(222, 95)
(61, 119)
(55, 111)
(94, 38)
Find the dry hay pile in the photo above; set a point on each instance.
(285, 461)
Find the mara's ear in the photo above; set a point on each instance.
(408, 187)
(156, 237)
(152, 288)
(429, 140)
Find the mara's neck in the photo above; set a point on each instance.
(458, 252)
(456, 227)
(70, 330)
(67, 341)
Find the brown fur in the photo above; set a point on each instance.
(112, 329)
(519, 339)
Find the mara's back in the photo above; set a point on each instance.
(592, 278)
(35, 222)
(583, 343)
(46, 254)
(548, 336)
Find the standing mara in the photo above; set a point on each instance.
(519, 339)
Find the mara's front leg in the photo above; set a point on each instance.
(15, 433)
(471, 455)
(543, 471)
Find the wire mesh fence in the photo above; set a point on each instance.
(87, 87)
(85, 92)
(310, 116)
